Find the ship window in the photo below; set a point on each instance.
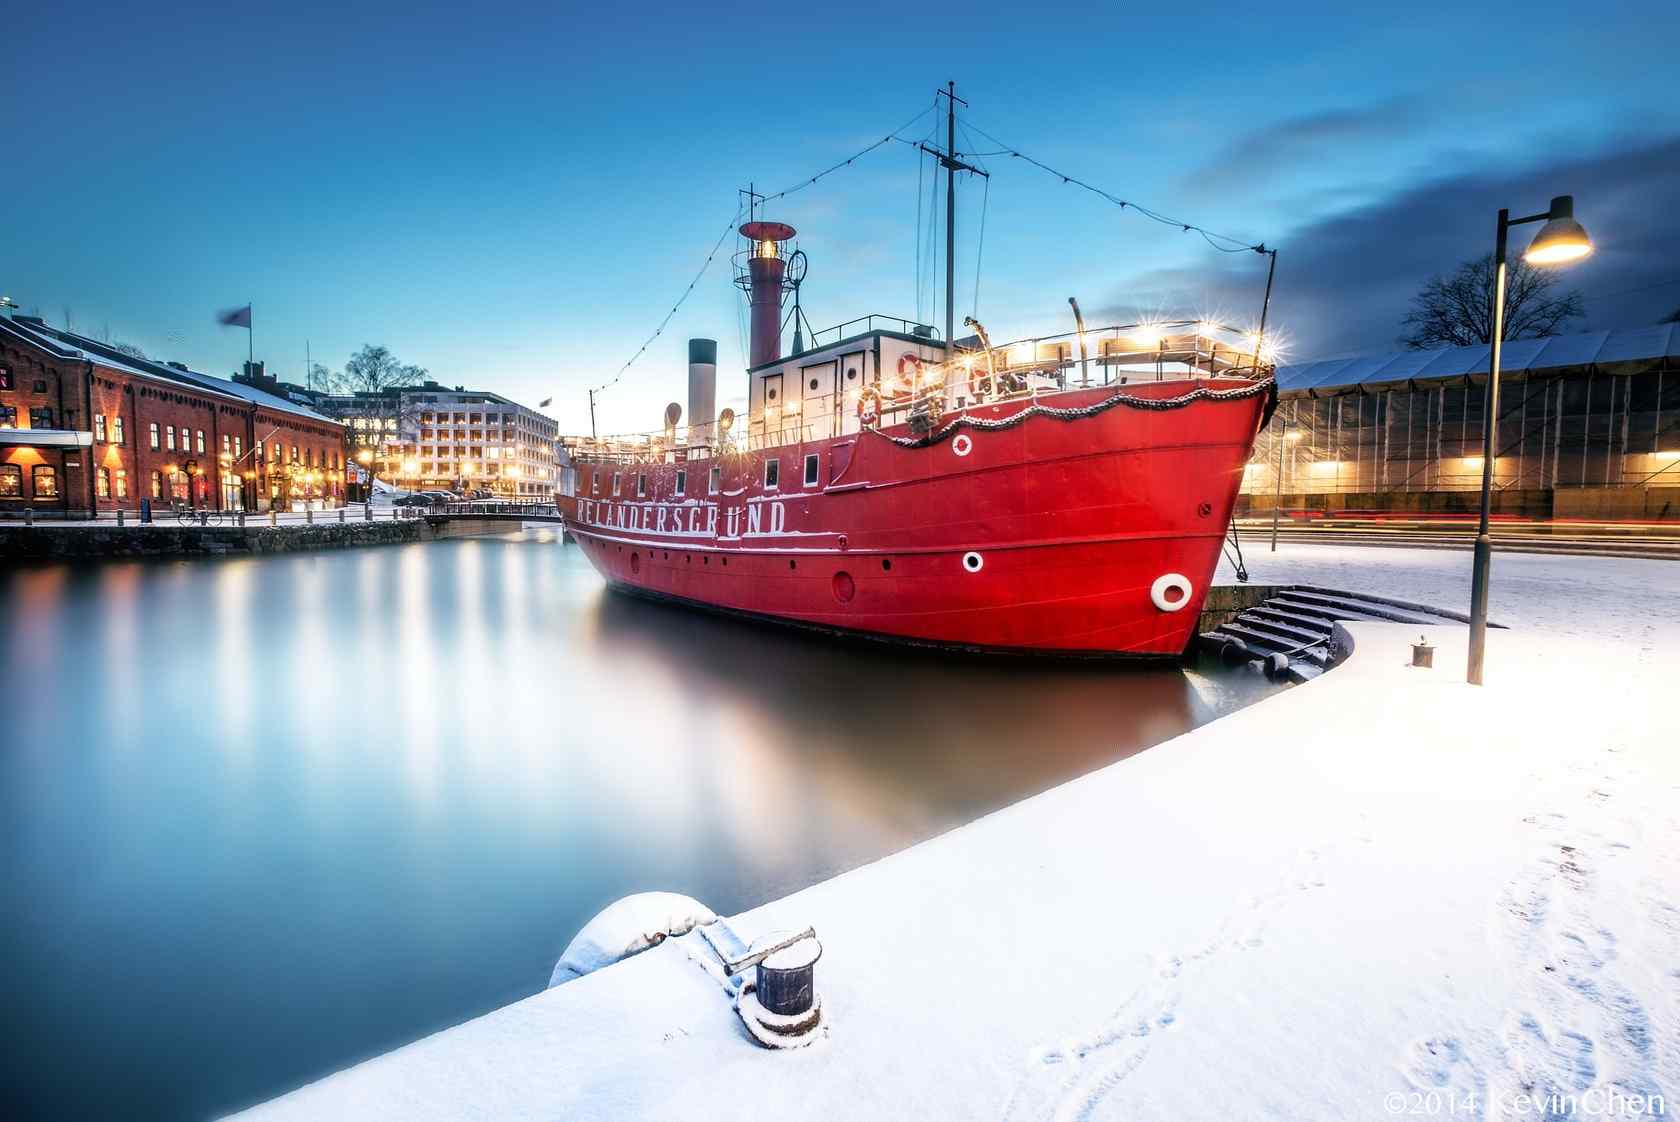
(594, 482)
(682, 482)
(772, 473)
(716, 481)
(813, 383)
(851, 373)
(811, 464)
(615, 483)
(641, 485)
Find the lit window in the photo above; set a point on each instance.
(201, 442)
(122, 483)
(5, 377)
(117, 431)
(227, 443)
(772, 474)
(169, 433)
(154, 436)
(157, 484)
(40, 417)
(239, 447)
(811, 465)
(44, 481)
(682, 481)
(11, 481)
(99, 427)
(102, 483)
(8, 416)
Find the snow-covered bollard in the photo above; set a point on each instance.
(628, 927)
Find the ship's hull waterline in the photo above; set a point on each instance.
(1083, 523)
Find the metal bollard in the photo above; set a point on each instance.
(309, 515)
(367, 510)
(119, 517)
(29, 516)
(273, 518)
(341, 514)
(242, 519)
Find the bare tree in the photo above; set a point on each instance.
(1457, 311)
(128, 349)
(375, 370)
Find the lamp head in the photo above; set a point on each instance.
(1562, 239)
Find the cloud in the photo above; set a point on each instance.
(1288, 145)
(1345, 280)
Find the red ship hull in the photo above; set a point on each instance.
(1021, 527)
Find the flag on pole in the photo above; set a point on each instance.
(235, 317)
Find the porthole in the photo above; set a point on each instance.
(886, 564)
(793, 564)
(813, 383)
(851, 374)
(773, 395)
(973, 562)
(844, 587)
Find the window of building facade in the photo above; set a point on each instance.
(227, 443)
(154, 436)
(682, 482)
(201, 442)
(294, 453)
(40, 417)
(44, 481)
(169, 434)
(117, 431)
(812, 464)
(102, 483)
(99, 427)
(715, 482)
(157, 484)
(239, 447)
(641, 486)
(772, 474)
(8, 416)
(5, 377)
(615, 484)
(40, 385)
(11, 481)
(122, 483)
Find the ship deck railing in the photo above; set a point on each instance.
(984, 376)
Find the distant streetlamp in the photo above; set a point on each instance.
(1560, 241)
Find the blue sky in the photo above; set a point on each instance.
(513, 195)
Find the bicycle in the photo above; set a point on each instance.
(188, 515)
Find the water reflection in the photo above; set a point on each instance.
(265, 817)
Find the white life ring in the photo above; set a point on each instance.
(962, 445)
(973, 562)
(1170, 582)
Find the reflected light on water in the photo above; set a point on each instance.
(343, 800)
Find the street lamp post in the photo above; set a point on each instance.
(1277, 499)
(1560, 240)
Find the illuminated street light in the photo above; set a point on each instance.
(1560, 240)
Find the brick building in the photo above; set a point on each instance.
(85, 427)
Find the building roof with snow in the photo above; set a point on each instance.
(68, 344)
(1636, 350)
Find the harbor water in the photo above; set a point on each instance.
(265, 817)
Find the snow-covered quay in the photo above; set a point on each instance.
(1382, 894)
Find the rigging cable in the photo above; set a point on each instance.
(1225, 243)
(800, 186)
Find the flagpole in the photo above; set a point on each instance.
(250, 337)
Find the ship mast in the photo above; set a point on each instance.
(952, 165)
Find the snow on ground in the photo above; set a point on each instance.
(1382, 894)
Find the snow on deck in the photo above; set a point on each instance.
(1378, 885)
